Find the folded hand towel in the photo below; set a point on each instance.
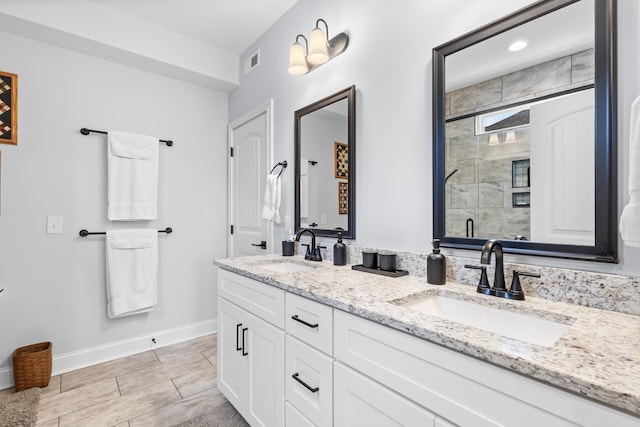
(630, 218)
(304, 167)
(132, 271)
(271, 206)
(132, 176)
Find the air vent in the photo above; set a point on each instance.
(251, 63)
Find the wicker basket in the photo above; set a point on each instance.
(32, 366)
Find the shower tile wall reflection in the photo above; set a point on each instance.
(479, 191)
(481, 188)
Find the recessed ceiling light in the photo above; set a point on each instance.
(517, 45)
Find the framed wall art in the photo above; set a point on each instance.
(341, 160)
(343, 198)
(8, 108)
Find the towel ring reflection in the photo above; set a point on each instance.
(283, 164)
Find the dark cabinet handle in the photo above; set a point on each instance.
(297, 319)
(244, 353)
(261, 245)
(238, 337)
(307, 386)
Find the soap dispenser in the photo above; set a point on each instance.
(436, 266)
(339, 252)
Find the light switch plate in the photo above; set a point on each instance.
(54, 225)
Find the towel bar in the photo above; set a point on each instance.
(85, 233)
(86, 131)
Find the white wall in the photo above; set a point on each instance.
(319, 135)
(389, 61)
(55, 284)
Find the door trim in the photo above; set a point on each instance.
(266, 108)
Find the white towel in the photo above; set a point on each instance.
(304, 188)
(132, 162)
(132, 271)
(271, 206)
(630, 218)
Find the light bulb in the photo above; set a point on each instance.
(318, 51)
(297, 62)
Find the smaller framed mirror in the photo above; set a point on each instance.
(325, 158)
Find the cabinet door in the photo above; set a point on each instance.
(231, 364)
(264, 351)
(360, 401)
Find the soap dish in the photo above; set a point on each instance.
(396, 273)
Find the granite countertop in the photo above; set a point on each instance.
(598, 357)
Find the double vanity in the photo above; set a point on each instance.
(311, 344)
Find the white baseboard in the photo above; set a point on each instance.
(103, 353)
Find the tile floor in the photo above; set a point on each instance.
(161, 387)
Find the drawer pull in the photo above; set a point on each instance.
(297, 319)
(238, 337)
(307, 386)
(243, 331)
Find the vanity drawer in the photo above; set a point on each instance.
(310, 321)
(260, 299)
(309, 366)
(293, 417)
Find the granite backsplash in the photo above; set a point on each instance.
(591, 289)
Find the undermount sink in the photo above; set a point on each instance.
(523, 327)
(285, 267)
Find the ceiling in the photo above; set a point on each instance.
(565, 31)
(230, 25)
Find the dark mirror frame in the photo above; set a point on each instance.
(606, 201)
(350, 95)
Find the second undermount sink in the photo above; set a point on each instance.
(523, 327)
(285, 267)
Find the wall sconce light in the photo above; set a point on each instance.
(497, 138)
(319, 50)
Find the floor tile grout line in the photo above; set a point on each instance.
(200, 347)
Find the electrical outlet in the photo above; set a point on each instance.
(54, 225)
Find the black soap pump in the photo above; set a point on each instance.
(436, 266)
(339, 252)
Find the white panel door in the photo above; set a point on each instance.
(562, 170)
(250, 142)
(360, 401)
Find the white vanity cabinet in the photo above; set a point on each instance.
(284, 360)
(463, 390)
(309, 362)
(360, 401)
(251, 348)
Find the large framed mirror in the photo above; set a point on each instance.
(525, 138)
(325, 159)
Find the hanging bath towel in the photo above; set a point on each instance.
(271, 206)
(132, 162)
(630, 218)
(132, 271)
